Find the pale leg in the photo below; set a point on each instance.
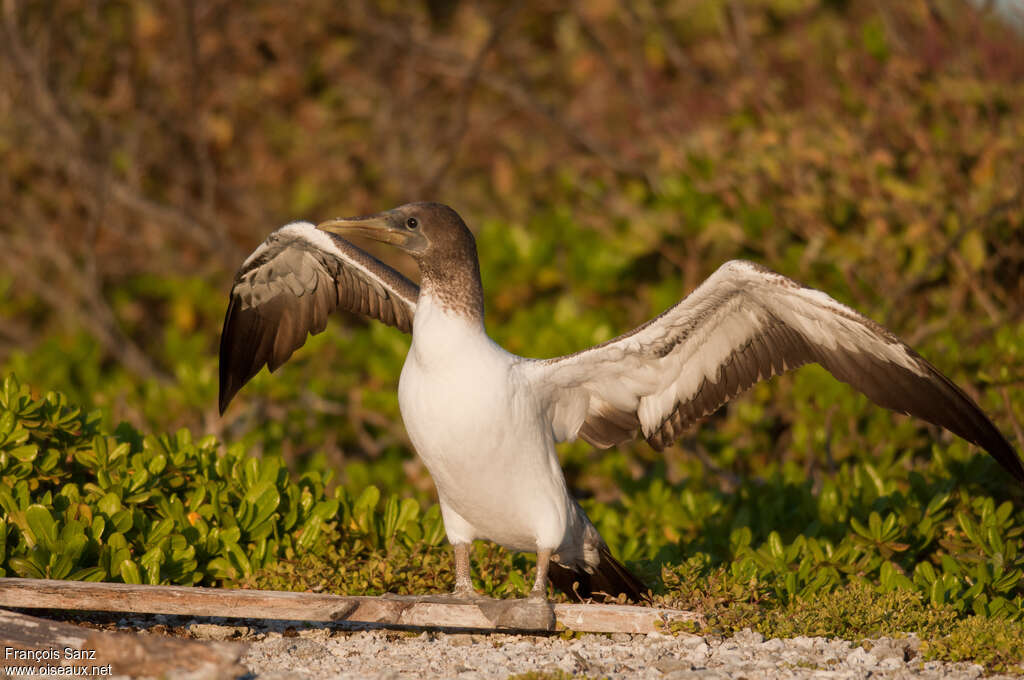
(463, 580)
(539, 592)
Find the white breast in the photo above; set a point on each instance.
(480, 432)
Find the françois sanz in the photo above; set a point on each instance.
(51, 654)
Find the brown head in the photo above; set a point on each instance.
(437, 238)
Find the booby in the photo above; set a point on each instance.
(485, 421)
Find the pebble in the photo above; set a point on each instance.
(210, 631)
(378, 655)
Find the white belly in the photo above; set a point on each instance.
(482, 436)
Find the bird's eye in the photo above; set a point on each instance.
(412, 223)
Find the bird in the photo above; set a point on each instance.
(486, 422)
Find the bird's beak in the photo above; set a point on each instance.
(387, 227)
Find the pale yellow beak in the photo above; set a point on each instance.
(386, 227)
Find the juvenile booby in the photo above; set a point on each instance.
(485, 422)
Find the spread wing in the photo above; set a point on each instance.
(287, 288)
(742, 325)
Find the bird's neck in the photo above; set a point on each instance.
(445, 335)
(454, 285)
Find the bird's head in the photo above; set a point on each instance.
(427, 231)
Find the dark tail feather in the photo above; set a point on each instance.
(609, 580)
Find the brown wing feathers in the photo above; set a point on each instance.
(770, 353)
(932, 397)
(289, 287)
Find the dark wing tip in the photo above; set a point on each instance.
(982, 432)
(230, 380)
(224, 398)
(1000, 449)
(246, 345)
(228, 387)
(932, 397)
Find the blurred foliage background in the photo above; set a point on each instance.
(608, 155)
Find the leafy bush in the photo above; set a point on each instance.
(912, 532)
(81, 503)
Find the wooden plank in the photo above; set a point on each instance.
(45, 645)
(388, 610)
(618, 618)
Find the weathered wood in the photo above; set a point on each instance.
(617, 618)
(30, 641)
(388, 610)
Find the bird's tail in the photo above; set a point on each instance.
(609, 579)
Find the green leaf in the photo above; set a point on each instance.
(260, 502)
(42, 529)
(25, 454)
(110, 504)
(25, 568)
(152, 560)
(94, 574)
(129, 572)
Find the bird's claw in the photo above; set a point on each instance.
(465, 592)
(537, 596)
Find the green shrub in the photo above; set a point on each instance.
(82, 503)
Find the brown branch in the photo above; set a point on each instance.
(67, 145)
(599, 47)
(1018, 431)
(207, 176)
(460, 125)
(46, 106)
(88, 305)
(928, 275)
(453, 64)
(673, 50)
(738, 19)
(984, 301)
(889, 23)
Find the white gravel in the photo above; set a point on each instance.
(331, 653)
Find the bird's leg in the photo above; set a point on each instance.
(539, 592)
(463, 580)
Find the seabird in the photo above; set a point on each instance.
(485, 422)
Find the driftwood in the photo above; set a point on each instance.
(29, 641)
(389, 610)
